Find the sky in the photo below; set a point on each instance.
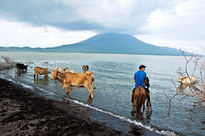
(48, 23)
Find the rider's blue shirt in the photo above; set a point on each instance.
(140, 77)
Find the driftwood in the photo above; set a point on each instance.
(7, 63)
(196, 89)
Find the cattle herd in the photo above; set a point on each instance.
(68, 78)
(65, 76)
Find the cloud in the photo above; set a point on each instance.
(45, 12)
(97, 15)
(174, 23)
(22, 34)
(181, 27)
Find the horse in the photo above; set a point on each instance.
(148, 105)
(139, 95)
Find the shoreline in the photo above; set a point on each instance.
(24, 112)
(96, 53)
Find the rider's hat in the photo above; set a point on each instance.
(142, 66)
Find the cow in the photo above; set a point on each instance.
(86, 68)
(69, 79)
(187, 80)
(21, 67)
(64, 70)
(41, 71)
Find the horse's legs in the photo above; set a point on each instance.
(148, 96)
(149, 106)
(143, 99)
(143, 107)
(134, 101)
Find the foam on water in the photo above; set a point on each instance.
(163, 132)
(123, 118)
(22, 84)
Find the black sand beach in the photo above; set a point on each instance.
(22, 112)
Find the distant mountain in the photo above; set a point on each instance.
(21, 49)
(106, 43)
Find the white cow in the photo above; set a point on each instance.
(187, 80)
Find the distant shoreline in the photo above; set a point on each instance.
(95, 53)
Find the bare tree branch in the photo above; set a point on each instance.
(197, 90)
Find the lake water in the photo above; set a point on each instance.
(114, 83)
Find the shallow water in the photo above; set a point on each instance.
(114, 83)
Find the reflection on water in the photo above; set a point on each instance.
(90, 100)
(20, 73)
(143, 118)
(185, 90)
(41, 81)
(114, 84)
(181, 87)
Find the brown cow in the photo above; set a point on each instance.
(74, 79)
(64, 70)
(86, 68)
(41, 71)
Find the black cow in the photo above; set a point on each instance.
(21, 67)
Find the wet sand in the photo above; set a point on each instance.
(22, 112)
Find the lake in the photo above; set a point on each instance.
(114, 83)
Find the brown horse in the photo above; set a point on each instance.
(148, 105)
(139, 95)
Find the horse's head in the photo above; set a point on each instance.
(146, 81)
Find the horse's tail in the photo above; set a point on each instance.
(139, 100)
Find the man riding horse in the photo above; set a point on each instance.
(140, 77)
(141, 90)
